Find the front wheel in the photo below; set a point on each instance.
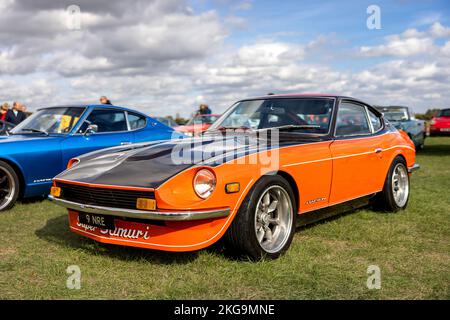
(395, 194)
(9, 186)
(265, 223)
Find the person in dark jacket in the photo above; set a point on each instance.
(203, 110)
(15, 115)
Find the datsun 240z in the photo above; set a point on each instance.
(264, 167)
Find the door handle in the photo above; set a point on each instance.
(124, 143)
(378, 150)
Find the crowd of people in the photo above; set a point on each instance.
(14, 115)
(18, 112)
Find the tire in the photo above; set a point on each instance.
(395, 194)
(9, 186)
(249, 232)
(421, 146)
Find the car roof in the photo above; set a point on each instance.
(299, 95)
(390, 107)
(106, 106)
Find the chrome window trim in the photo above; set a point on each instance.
(126, 119)
(76, 133)
(140, 115)
(357, 103)
(370, 122)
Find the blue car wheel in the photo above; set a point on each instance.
(9, 186)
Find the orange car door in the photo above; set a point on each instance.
(356, 153)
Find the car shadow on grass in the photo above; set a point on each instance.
(56, 231)
(32, 200)
(439, 150)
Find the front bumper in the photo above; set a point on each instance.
(142, 214)
(415, 167)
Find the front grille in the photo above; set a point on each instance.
(104, 197)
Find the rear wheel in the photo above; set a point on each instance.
(265, 223)
(395, 194)
(9, 186)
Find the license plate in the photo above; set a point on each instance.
(96, 220)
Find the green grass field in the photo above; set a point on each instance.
(328, 260)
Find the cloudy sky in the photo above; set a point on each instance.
(167, 56)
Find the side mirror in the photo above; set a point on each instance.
(91, 129)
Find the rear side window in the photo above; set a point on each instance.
(107, 120)
(352, 120)
(375, 120)
(444, 113)
(136, 121)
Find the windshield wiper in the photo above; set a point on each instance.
(234, 128)
(35, 130)
(295, 127)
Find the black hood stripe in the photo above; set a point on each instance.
(149, 166)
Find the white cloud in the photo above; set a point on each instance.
(437, 30)
(243, 5)
(236, 22)
(410, 43)
(400, 48)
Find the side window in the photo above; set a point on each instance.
(106, 120)
(352, 120)
(376, 121)
(136, 121)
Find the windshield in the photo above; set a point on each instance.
(400, 114)
(311, 115)
(204, 119)
(444, 113)
(52, 120)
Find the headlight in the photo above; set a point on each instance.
(433, 122)
(204, 183)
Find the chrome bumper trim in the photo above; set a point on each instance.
(142, 214)
(415, 167)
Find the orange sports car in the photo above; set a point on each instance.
(267, 165)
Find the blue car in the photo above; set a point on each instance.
(402, 118)
(40, 147)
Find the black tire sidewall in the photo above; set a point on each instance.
(389, 192)
(5, 166)
(250, 210)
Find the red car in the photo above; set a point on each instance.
(198, 124)
(440, 124)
